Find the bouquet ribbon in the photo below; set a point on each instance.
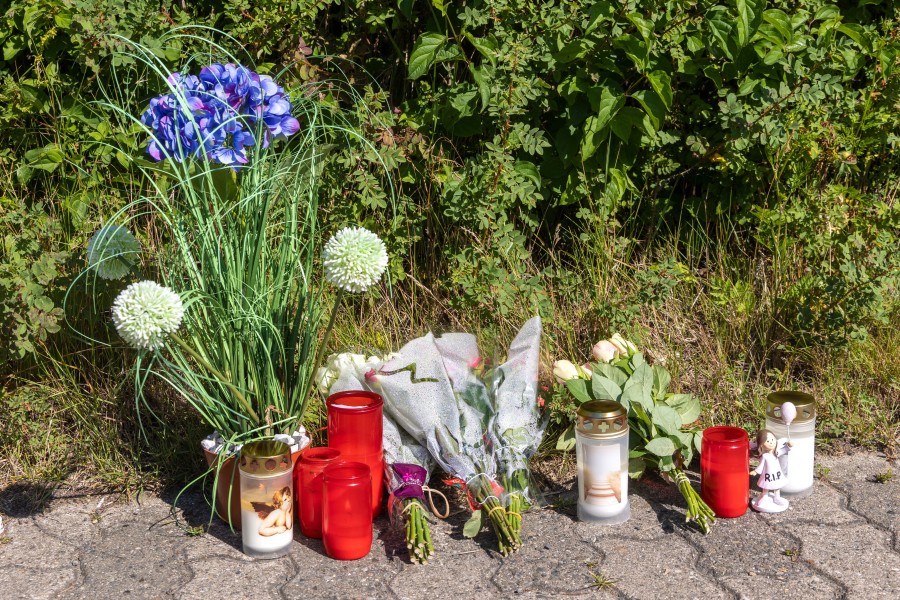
(412, 485)
(496, 489)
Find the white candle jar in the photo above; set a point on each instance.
(601, 447)
(800, 456)
(267, 499)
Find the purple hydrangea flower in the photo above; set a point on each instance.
(215, 113)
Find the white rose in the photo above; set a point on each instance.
(605, 351)
(564, 370)
(624, 347)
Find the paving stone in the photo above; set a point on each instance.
(857, 555)
(459, 568)
(32, 564)
(749, 558)
(877, 502)
(825, 505)
(553, 559)
(843, 531)
(656, 569)
(135, 555)
(243, 578)
(648, 521)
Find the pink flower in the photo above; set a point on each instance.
(475, 363)
(540, 402)
(371, 376)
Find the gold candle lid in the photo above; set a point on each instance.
(266, 458)
(602, 419)
(805, 403)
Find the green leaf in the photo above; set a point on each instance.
(661, 381)
(636, 467)
(610, 103)
(63, 19)
(635, 393)
(643, 374)
(406, 7)
(682, 439)
(439, 4)
(662, 85)
(486, 46)
(856, 33)
(566, 439)
(618, 376)
(47, 158)
(749, 18)
(653, 106)
(604, 388)
(12, 46)
(578, 388)
(661, 446)
(686, 405)
(424, 54)
(574, 50)
(781, 22)
(698, 440)
(529, 171)
(635, 49)
(591, 138)
(644, 27)
(482, 76)
(627, 119)
(473, 525)
(666, 419)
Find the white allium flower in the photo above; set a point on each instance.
(145, 312)
(354, 259)
(112, 251)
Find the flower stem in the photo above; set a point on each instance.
(215, 373)
(320, 353)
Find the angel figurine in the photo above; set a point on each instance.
(772, 477)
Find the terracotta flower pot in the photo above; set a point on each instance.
(229, 482)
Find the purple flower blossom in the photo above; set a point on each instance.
(216, 113)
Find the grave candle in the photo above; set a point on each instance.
(725, 470)
(800, 457)
(601, 447)
(267, 499)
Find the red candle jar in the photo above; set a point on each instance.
(354, 429)
(308, 487)
(725, 470)
(347, 510)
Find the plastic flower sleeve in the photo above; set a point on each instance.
(517, 423)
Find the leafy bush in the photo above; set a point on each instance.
(525, 136)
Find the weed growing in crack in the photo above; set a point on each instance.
(883, 477)
(599, 581)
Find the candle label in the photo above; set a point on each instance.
(267, 518)
(603, 476)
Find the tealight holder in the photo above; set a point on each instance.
(601, 446)
(799, 457)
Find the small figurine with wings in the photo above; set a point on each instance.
(772, 477)
(278, 516)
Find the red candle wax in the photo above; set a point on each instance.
(355, 429)
(308, 486)
(725, 471)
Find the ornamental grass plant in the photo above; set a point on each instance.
(232, 201)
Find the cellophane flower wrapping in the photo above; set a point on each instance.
(517, 425)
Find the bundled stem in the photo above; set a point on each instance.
(697, 510)
(418, 534)
(508, 539)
